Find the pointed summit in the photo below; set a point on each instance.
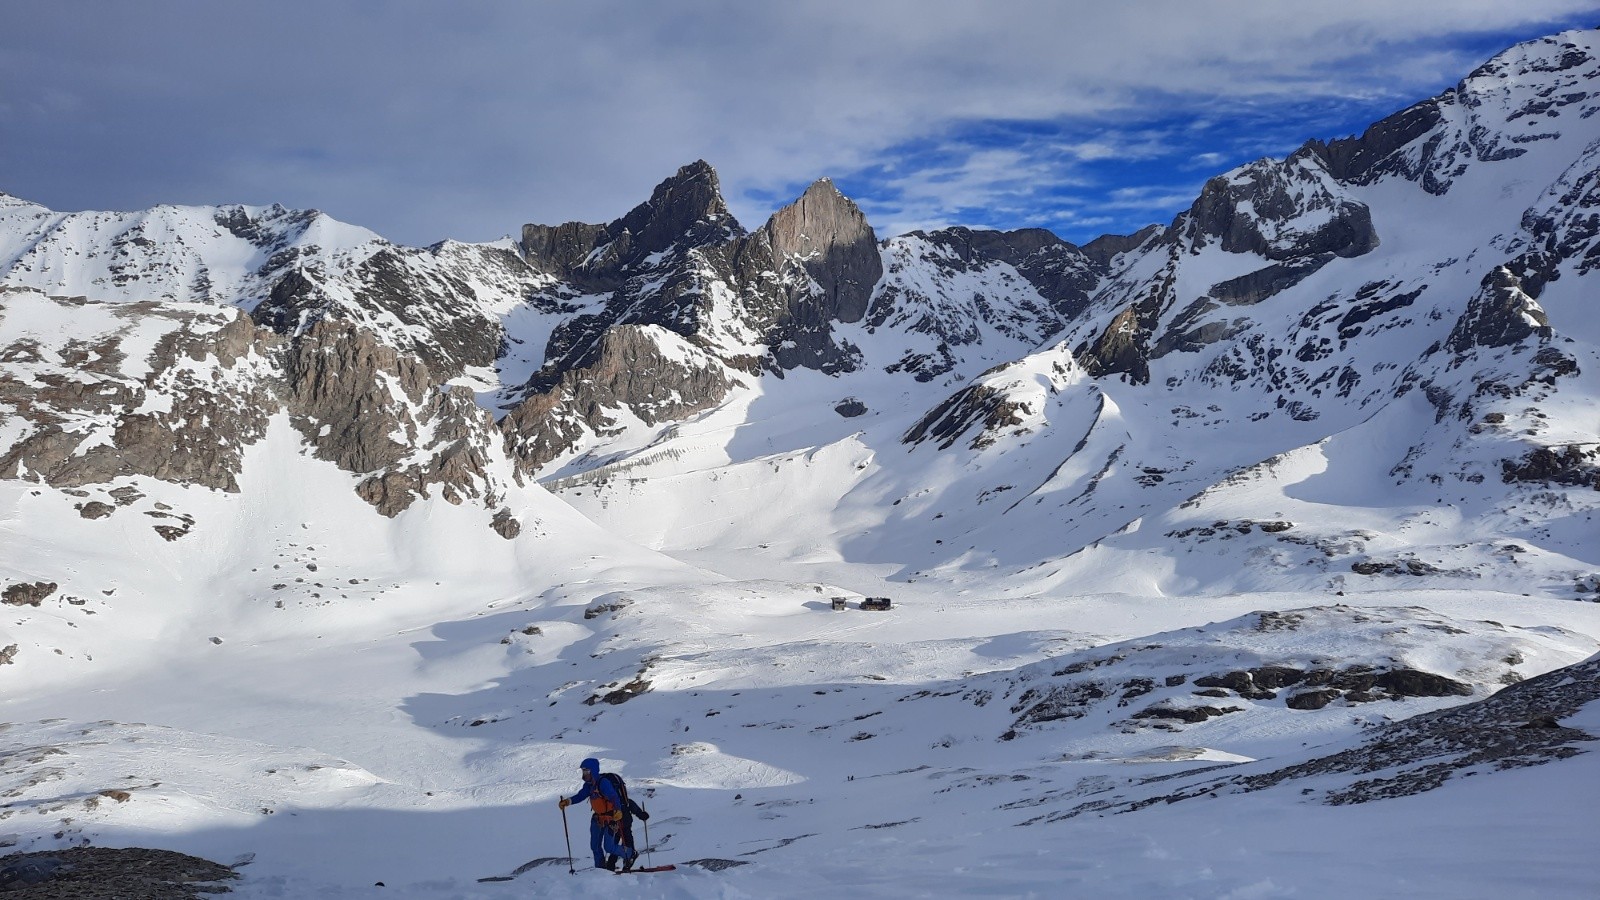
(686, 207)
(828, 234)
(684, 211)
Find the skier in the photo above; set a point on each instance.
(610, 821)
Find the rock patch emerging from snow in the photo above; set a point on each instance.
(101, 873)
(1304, 660)
(26, 594)
(1520, 726)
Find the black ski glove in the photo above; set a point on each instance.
(644, 815)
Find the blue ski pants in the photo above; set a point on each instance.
(603, 841)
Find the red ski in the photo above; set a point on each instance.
(666, 868)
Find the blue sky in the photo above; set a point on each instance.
(466, 119)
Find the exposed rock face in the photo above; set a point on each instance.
(419, 301)
(1500, 314)
(680, 267)
(84, 415)
(1120, 350)
(1124, 346)
(685, 210)
(341, 377)
(94, 509)
(1025, 285)
(850, 408)
(830, 239)
(390, 288)
(1268, 281)
(812, 265)
(1360, 159)
(1161, 680)
(1548, 465)
(975, 406)
(1561, 229)
(564, 249)
(341, 397)
(207, 391)
(1006, 401)
(506, 525)
(1103, 249)
(1293, 214)
(1355, 684)
(643, 369)
(1281, 211)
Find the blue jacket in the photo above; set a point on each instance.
(595, 783)
(605, 789)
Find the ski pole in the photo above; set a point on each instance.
(650, 857)
(568, 835)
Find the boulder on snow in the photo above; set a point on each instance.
(26, 594)
(94, 509)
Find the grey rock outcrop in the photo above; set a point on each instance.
(976, 406)
(186, 412)
(103, 873)
(1028, 285)
(630, 370)
(686, 210)
(1123, 348)
(813, 264)
(1518, 727)
(1279, 210)
(216, 408)
(666, 264)
(340, 393)
(419, 301)
(1501, 313)
(1571, 465)
(1361, 159)
(27, 593)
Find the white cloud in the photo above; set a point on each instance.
(465, 119)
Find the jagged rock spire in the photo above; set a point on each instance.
(685, 210)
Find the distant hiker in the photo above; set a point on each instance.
(611, 818)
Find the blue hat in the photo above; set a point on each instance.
(592, 765)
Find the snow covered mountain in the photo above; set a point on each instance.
(378, 541)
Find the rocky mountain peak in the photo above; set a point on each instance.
(1521, 97)
(1279, 210)
(686, 210)
(827, 233)
(689, 204)
(1563, 52)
